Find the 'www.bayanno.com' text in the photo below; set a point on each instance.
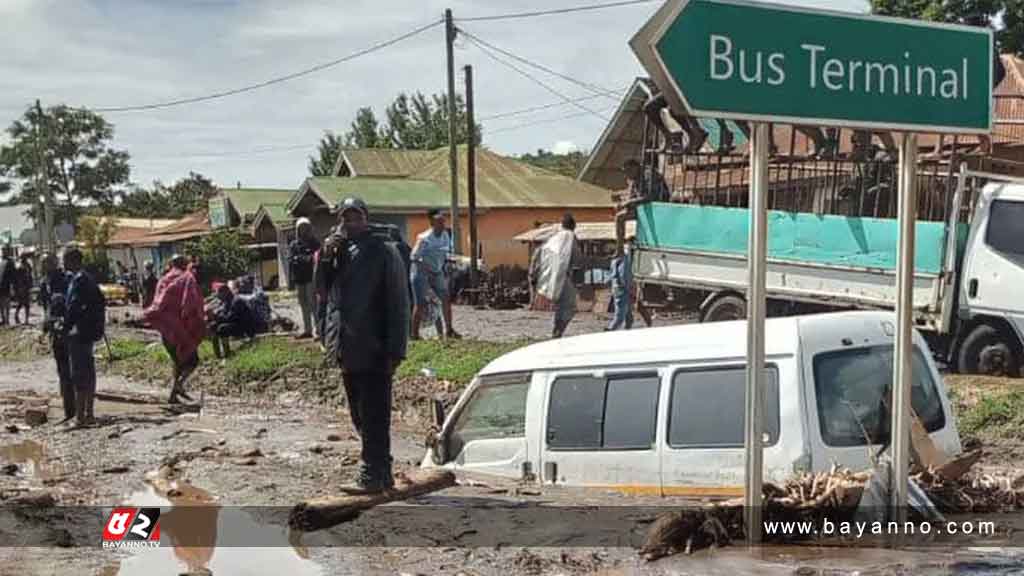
(862, 529)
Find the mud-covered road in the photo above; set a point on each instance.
(238, 466)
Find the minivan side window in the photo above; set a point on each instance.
(496, 410)
(707, 408)
(853, 388)
(614, 413)
(1005, 230)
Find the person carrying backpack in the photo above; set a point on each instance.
(84, 325)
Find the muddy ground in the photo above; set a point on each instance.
(241, 462)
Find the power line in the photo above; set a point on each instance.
(539, 122)
(266, 150)
(586, 85)
(276, 80)
(534, 79)
(583, 8)
(538, 108)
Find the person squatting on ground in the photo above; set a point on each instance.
(429, 270)
(6, 283)
(552, 272)
(84, 324)
(301, 264)
(23, 281)
(177, 314)
(52, 291)
(367, 327)
(231, 317)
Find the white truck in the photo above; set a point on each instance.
(967, 267)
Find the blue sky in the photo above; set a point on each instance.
(100, 53)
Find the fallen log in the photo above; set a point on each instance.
(321, 513)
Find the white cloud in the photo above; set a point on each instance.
(564, 147)
(118, 52)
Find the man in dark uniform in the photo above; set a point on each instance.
(83, 326)
(149, 281)
(52, 290)
(367, 328)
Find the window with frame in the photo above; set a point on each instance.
(707, 408)
(1005, 229)
(853, 389)
(496, 410)
(618, 412)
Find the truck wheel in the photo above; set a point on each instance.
(986, 350)
(725, 308)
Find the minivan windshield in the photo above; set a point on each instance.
(853, 395)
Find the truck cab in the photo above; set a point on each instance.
(990, 312)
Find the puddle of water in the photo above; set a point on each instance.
(28, 454)
(191, 520)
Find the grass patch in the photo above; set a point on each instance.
(267, 357)
(22, 345)
(454, 360)
(988, 408)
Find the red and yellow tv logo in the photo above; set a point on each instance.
(132, 528)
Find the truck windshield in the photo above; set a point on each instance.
(1005, 232)
(853, 391)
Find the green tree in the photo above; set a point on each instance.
(187, 195)
(221, 256)
(1006, 16)
(565, 164)
(328, 151)
(412, 122)
(365, 131)
(74, 145)
(95, 232)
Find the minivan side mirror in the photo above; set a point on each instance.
(438, 413)
(435, 440)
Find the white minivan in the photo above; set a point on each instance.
(660, 411)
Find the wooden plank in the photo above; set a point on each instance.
(321, 513)
(927, 453)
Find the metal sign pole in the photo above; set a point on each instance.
(756, 263)
(904, 346)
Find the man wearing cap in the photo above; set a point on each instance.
(429, 257)
(367, 327)
(301, 253)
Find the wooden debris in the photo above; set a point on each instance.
(326, 512)
(834, 494)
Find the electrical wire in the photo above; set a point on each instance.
(556, 11)
(266, 150)
(586, 85)
(539, 122)
(534, 79)
(538, 108)
(276, 80)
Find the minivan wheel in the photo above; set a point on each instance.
(725, 308)
(986, 350)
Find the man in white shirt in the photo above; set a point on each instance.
(429, 257)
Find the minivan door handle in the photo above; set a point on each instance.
(972, 288)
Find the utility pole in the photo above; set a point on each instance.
(43, 183)
(453, 150)
(471, 176)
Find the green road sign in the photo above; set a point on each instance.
(773, 63)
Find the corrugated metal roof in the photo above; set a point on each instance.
(585, 232)
(504, 182)
(278, 215)
(247, 201)
(190, 226)
(399, 194)
(382, 162)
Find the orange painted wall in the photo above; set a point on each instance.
(497, 229)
